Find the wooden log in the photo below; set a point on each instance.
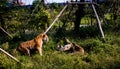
(9, 55)
(56, 19)
(5, 32)
(98, 19)
(83, 3)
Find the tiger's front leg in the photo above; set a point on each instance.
(27, 51)
(39, 50)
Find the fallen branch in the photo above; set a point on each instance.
(9, 55)
(56, 19)
(5, 32)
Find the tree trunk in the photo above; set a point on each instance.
(42, 1)
(78, 16)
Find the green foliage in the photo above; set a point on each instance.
(40, 20)
(54, 5)
(2, 3)
(18, 21)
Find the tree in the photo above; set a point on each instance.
(78, 16)
(2, 13)
(2, 3)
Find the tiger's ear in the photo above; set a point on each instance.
(43, 35)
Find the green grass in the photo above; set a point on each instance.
(108, 16)
(99, 54)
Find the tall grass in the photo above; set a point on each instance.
(98, 55)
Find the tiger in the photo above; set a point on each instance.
(71, 47)
(34, 44)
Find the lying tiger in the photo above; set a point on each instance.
(34, 44)
(71, 48)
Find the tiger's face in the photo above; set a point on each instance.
(45, 38)
(60, 48)
(65, 48)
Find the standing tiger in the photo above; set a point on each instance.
(34, 44)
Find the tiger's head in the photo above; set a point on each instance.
(67, 47)
(64, 48)
(60, 48)
(44, 37)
